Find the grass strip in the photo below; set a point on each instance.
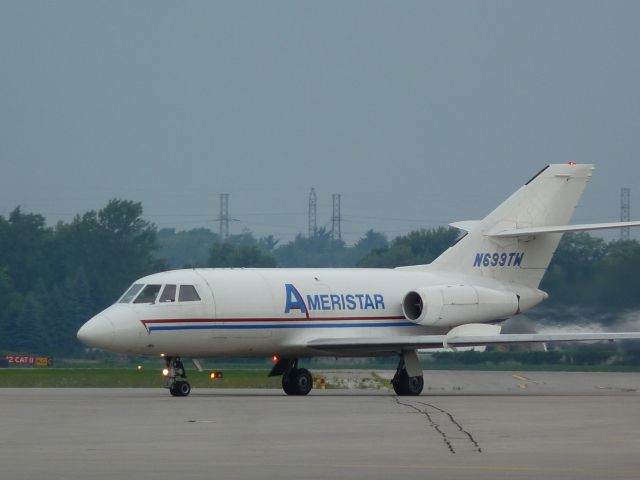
(128, 378)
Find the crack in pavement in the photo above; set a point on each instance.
(441, 429)
(457, 424)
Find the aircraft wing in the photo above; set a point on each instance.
(397, 344)
(377, 345)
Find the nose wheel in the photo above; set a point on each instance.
(175, 369)
(180, 388)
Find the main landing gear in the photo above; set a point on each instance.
(175, 369)
(408, 379)
(295, 381)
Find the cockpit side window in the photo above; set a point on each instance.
(148, 294)
(188, 293)
(168, 294)
(132, 292)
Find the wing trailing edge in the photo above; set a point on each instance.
(395, 344)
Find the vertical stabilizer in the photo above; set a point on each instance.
(548, 199)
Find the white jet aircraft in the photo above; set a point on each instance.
(489, 275)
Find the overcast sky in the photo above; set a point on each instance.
(418, 113)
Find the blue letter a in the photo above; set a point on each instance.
(294, 300)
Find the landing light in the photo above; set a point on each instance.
(214, 375)
(165, 372)
(139, 367)
(275, 359)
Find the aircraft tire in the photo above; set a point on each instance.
(405, 385)
(397, 387)
(180, 389)
(287, 385)
(297, 382)
(303, 381)
(173, 390)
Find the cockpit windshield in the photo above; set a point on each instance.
(132, 292)
(148, 294)
(141, 293)
(168, 294)
(188, 293)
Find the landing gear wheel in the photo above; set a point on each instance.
(303, 381)
(183, 388)
(403, 384)
(397, 387)
(287, 385)
(180, 389)
(298, 382)
(175, 368)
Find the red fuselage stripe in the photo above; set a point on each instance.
(235, 320)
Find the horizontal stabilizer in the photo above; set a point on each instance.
(396, 344)
(523, 232)
(466, 225)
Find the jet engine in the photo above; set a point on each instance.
(452, 305)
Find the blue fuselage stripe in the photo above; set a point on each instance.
(280, 325)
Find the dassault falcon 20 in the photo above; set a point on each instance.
(489, 275)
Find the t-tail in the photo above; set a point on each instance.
(515, 242)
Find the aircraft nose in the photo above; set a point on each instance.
(98, 332)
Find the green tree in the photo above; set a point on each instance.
(26, 330)
(24, 249)
(185, 248)
(317, 251)
(372, 240)
(7, 300)
(71, 306)
(615, 283)
(114, 246)
(232, 255)
(415, 248)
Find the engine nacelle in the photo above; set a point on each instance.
(451, 305)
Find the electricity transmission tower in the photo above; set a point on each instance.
(313, 213)
(223, 218)
(336, 218)
(625, 211)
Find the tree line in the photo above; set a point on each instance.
(53, 278)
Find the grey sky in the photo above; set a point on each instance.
(419, 113)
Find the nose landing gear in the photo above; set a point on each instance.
(175, 369)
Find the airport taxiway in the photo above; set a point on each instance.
(476, 425)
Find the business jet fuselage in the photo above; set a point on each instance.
(488, 276)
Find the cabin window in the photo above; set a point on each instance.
(148, 294)
(132, 292)
(188, 293)
(168, 294)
